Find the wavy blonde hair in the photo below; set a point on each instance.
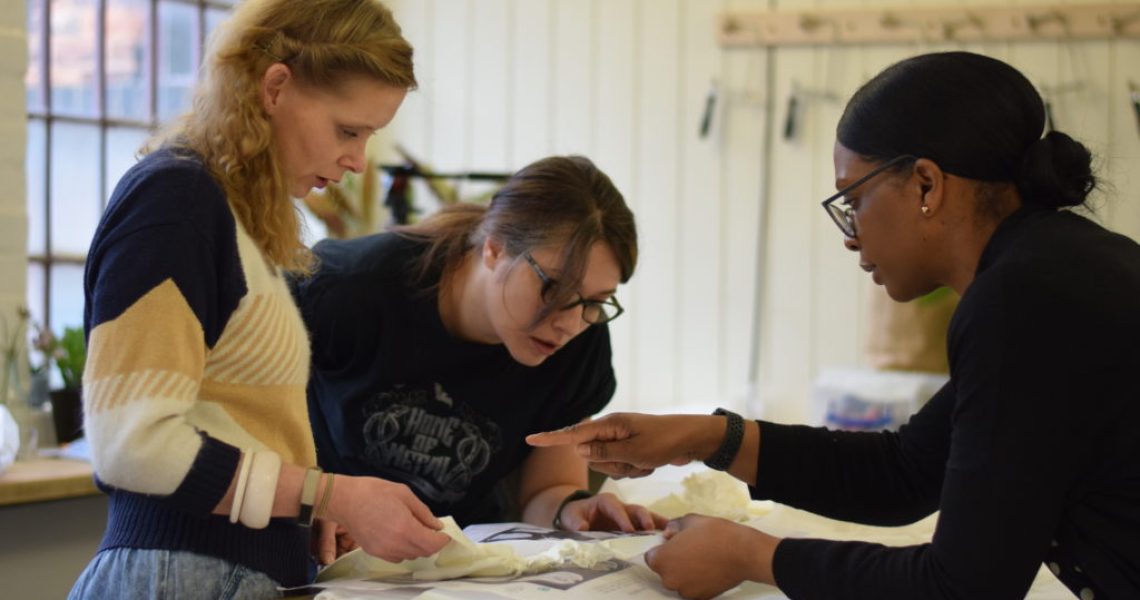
(322, 42)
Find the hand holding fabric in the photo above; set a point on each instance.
(386, 519)
(703, 557)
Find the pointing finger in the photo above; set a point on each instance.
(577, 433)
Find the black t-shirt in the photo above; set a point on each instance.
(392, 394)
(1031, 452)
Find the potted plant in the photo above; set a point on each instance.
(69, 353)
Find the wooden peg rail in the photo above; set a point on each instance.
(904, 25)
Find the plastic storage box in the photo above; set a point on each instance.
(869, 399)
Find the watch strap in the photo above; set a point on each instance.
(575, 495)
(733, 437)
(309, 496)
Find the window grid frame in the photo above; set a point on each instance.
(48, 259)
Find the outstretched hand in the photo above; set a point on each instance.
(606, 512)
(634, 445)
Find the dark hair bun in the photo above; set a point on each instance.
(1056, 171)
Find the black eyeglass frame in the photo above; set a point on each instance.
(547, 283)
(844, 216)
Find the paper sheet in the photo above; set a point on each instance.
(507, 551)
(674, 492)
(556, 564)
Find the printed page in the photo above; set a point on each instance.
(577, 574)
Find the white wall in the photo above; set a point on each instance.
(13, 131)
(504, 82)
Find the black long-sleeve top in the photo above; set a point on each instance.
(1031, 452)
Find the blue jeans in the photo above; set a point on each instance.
(129, 574)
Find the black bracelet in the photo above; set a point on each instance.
(575, 495)
(733, 437)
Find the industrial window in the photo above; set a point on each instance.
(102, 74)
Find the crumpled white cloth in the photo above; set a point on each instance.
(704, 491)
(466, 558)
(9, 439)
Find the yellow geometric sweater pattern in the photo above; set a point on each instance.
(151, 384)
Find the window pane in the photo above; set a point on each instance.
(128, 59)
(73, 24)
(177, 57)
(36, 292)
(66, 296)
(75, 204)
(122, 147)
(34, 78)
(36, 176)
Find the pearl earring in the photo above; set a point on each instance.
(926, 211)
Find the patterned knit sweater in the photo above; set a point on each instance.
(195, 352)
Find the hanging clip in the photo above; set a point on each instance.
(1051, 92)
(710, 108)
(1134, 96)
(1049, 124)
(792, 114)
(796, 103)
(950, 28)
(1036, 21)
(1122, 22)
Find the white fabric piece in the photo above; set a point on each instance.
(712, 493)
(9, 439)
(466, 558)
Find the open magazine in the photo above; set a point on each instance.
(570, 565)
(523, 561)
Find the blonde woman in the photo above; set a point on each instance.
(195, 384)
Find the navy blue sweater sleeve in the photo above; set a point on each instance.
(168, 220)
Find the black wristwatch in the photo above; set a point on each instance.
(733, 437)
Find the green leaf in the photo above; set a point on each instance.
(71, 356)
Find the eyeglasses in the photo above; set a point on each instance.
(844, 215)
(594, 312)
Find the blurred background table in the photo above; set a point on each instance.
(51, 520)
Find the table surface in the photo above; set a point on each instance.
(44, 479)
(54, 479)
(777, 519)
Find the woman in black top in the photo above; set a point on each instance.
(1031, 452)
(438, 346)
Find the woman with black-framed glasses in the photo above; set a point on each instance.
(438, 346)
(1031, 452)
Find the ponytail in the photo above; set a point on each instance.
(1055, 172)
(449, 234)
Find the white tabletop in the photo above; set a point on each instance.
(674, 491)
